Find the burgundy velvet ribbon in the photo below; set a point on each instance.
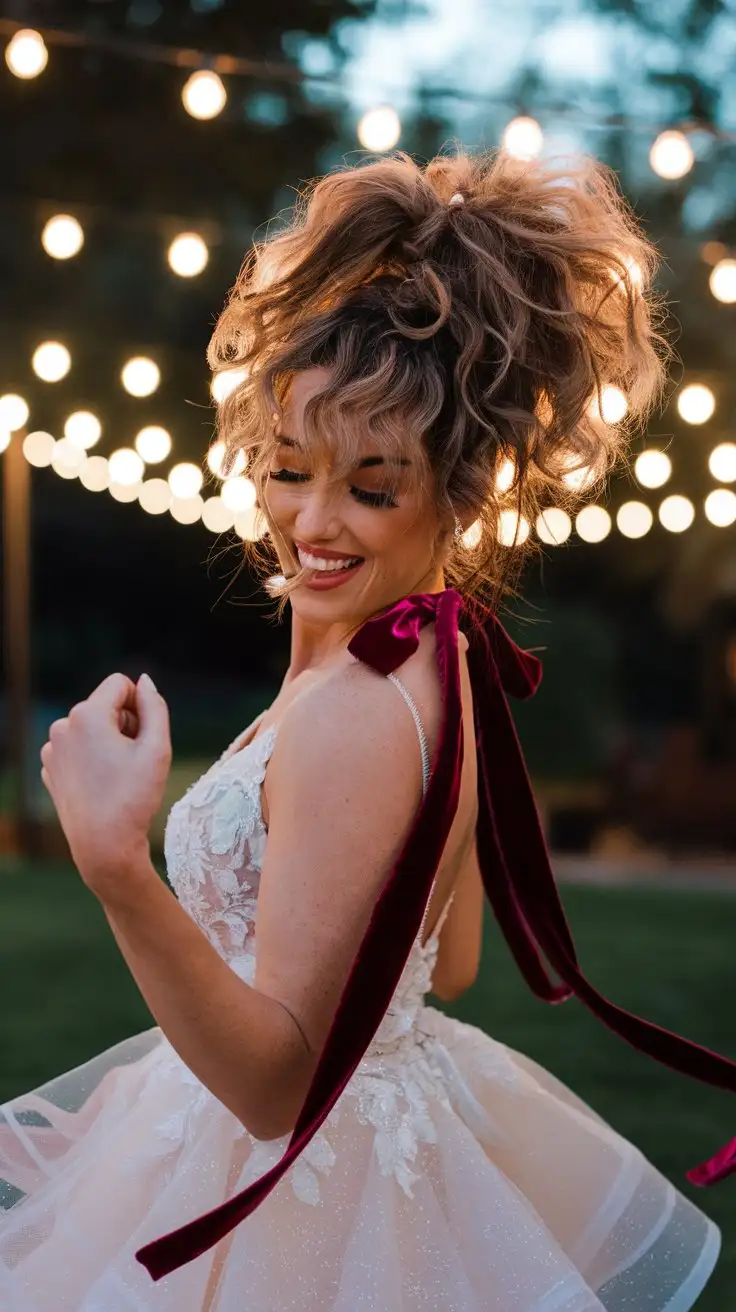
(516, 874)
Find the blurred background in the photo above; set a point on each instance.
(147, 142)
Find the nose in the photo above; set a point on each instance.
(317, 519)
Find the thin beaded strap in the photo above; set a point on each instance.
(422, 739)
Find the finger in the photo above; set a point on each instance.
(46, 754)
(128, 723)
(153, 713)
(58, 727)
(115, 693)
(45, 780)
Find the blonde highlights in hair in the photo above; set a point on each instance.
(479, 334)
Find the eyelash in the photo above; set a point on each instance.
(379, 500)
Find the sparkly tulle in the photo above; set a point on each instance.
(453, 1173)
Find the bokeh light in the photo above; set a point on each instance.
(51, 361)
(5, 440)
(251, 525)
(215, 457)
(613, 405)
(505, 476)
(634, 519)
(722, 462)
(155, 496)
(472, 535)
(238, 493)
(83, 428)
(140, 376)
(14, 412)
(126, 467)
(379, 129)
(696, 403)
(593, 523)
(720, 507)
(523, 138)
(26, 54)
(62, 236)
(38, 448)
(722, 281)
(676, 513)
(671, 155)
(186, 510)
(66, 458)
(652, 468)
(188, 254)
(513, 528)
(153, 444)
(95, 474)
(185, 480)
(225, 381)
(204, 95)
(216, 516)
(125, 492)
(553, 526)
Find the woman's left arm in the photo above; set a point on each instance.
(106, 786)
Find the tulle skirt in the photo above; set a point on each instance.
(453, 1175)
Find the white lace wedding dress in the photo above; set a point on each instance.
(452, 1175)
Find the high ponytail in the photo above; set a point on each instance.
(485, 331)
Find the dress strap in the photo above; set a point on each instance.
(422, 739)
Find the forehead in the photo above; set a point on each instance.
(333, 433)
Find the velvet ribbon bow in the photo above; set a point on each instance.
(517, 877)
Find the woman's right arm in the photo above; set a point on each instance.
(458, 957)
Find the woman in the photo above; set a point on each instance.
(422, 350)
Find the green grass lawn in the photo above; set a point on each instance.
(670, 955)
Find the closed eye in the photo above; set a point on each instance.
(381, 500)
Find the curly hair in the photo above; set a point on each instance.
(484, 332)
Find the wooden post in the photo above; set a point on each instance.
(16, 589)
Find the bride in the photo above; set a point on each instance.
(299, 1129)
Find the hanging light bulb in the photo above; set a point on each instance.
(95, 474)
(696, 403)
(14, 412)
(676, 513)
(38, 448)
(225, 381)
(379, 129)
(82, 428)
(720, 507)
(216, 516)
(722, 462)
(153, 444)
(613, 405)
(722, 281)
(62, 237)
(671, 155)
(186, 510)
(652, 468)
(634, 519)
(185, 480)
(513, 528)
(554, 526)
(472, 535)
(126, 467)
(140, 376)
(204, 95)
(215, 459)
(25, 54)
(593, 524)
(51, 361)
(154, 496)
(188, 254)
(238, 493)
(523, 138)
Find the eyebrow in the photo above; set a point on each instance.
(368, 462)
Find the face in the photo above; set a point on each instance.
(389, 532)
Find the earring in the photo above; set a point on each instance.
(459, 530)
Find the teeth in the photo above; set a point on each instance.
(327, 566)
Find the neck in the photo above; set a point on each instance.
(316, 646)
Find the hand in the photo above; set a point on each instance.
(105, 766)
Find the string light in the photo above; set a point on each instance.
(720, 507)
(513, 528)
(251, 525)
(238, 493)
(722, 281)
(224, 382)
(14, 412)
(62, 237)
(634, 519)
(613, 405)
(553, 526)
(51, 362)
(66, 458)
(25, 54)
(652, 468)
(505, 476)
(379, 129)
(153, 444)
(216, 516)
(95, 474)
(188, 254)
(676, 513)
(140, 376)
(185, 480)
(126, 467)
(216, 456)
(523, 138)
(186, 510)
(124, 492)
(154, 496)
(472, 536)
(593, 524)
(722, 462)
(696, 403)
(671, 155)
(83, 429)
(204, 95)
(38, 448)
